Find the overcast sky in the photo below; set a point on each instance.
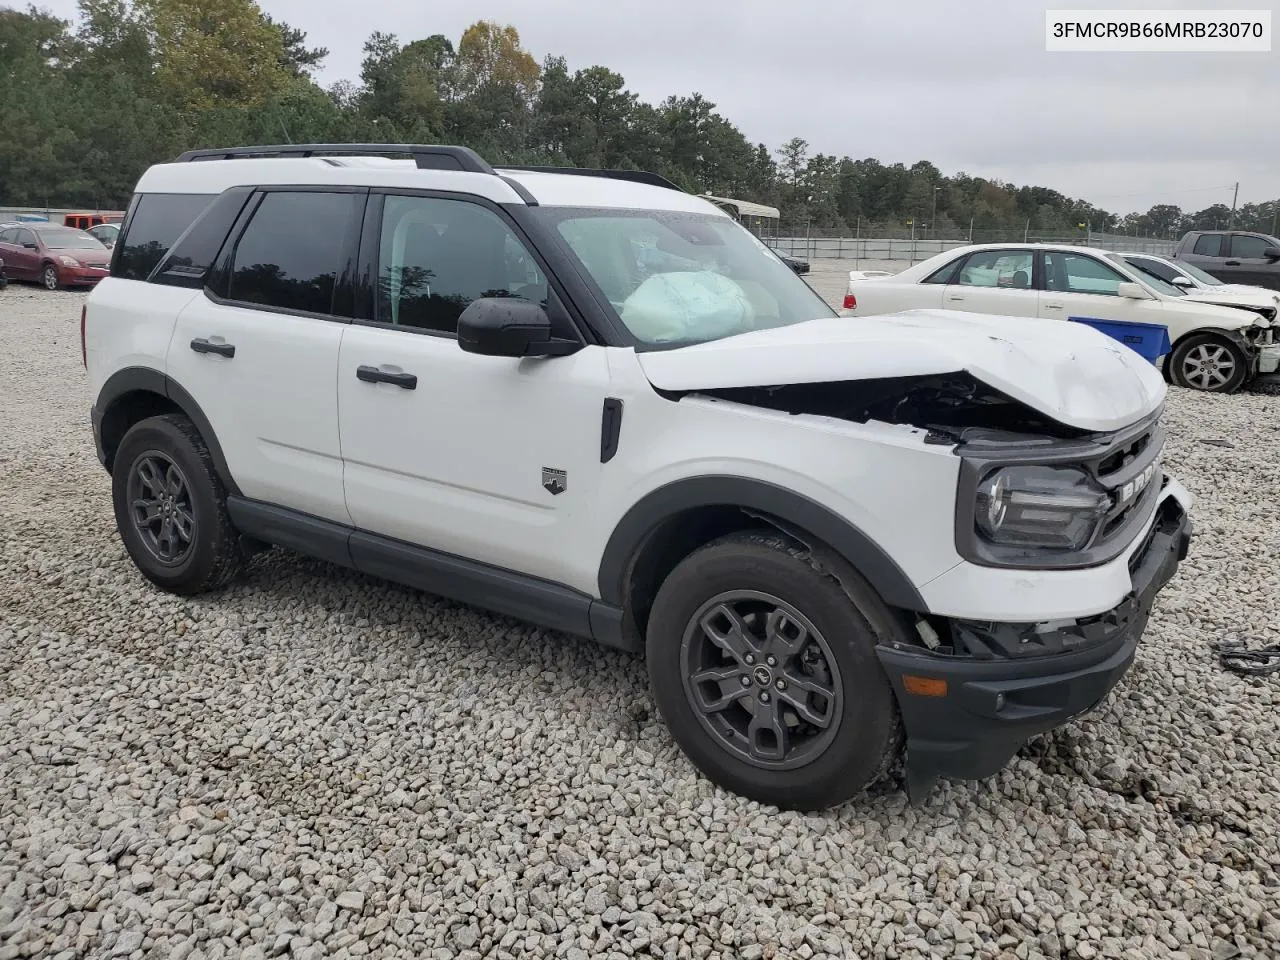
(966, 85)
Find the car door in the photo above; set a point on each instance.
(1081, 287)
(994, 281)
(8, 256)
(1246, 263)
(494, 459)
(258, 349)
(25, 251)
(1207, 253)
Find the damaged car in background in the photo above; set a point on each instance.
(1209, 340)
(838, 544)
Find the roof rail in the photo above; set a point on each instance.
(635, 176)
(426, 156)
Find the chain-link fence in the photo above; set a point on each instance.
(883, 242)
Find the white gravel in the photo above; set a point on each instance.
(312, 764)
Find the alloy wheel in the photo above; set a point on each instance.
(160, 506)
(761, 679)
(1208, 366)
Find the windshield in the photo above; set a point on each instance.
(65, 238)
(681, 278)
(1150, 279)
(1195, 273)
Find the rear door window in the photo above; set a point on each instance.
(158, 219)
(290, 254)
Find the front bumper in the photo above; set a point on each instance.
(991, 705)
(1269, 359)
(80, 276)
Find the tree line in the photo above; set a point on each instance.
(87, 107)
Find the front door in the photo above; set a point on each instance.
(994, 281)
(23, 260)
(494, 459)
(1246, 264)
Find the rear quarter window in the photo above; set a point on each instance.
(154, 223)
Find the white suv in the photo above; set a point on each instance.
(593, 401)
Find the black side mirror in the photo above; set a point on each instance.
(509, 327)
(28, 244)
(1272, 253)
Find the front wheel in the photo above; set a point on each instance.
(50, 277)
(1209, 362)
(765, 670)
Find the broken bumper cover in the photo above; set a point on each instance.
(991, 706)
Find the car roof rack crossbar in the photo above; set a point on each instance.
(635, 176)
(426, 156)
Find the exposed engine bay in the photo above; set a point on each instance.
(951, 407)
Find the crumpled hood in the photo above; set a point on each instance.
(1236, 295)
(1066, 371)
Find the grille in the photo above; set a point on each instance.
(1127, 463)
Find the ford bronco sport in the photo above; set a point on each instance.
(593, 401)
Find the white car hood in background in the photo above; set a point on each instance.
(1066, 371)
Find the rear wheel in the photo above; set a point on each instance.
(1209, 362)
(49, 276)
(765, 670)
(171, 508)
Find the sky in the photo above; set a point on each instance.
(966, 85)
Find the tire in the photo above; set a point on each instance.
(1210, 363)
(212, 554)
(49, 277)
(759, 576)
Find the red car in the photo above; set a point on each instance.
(53, 255)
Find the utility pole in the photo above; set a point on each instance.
(1275, 208)
(933, 219)
(971, 229)
(1026, 230)
(1235, 194)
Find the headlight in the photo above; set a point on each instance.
(1035, 506)
(69, 261)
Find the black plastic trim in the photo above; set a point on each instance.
(610, 428)
(145, 380)
(220, 216)
(994, 705)
(521, 189)
(880, 570)
(425, 155)
(507, 592)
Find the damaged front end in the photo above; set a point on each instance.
(972, 691)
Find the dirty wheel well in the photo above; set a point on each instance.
(125, 411)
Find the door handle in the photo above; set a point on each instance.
(1232, 263)
(1053, 306)
(406, 381)
(954, 297)
(201, 345)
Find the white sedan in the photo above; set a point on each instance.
(1204, 287)
(1210, 346)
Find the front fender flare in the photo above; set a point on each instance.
(754, 496)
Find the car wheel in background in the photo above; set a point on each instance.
(1209, 362)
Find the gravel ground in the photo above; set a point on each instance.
(312, 764)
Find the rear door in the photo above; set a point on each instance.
(1207, 252)
(1085, 289)
(258, 349)
(996, 282)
